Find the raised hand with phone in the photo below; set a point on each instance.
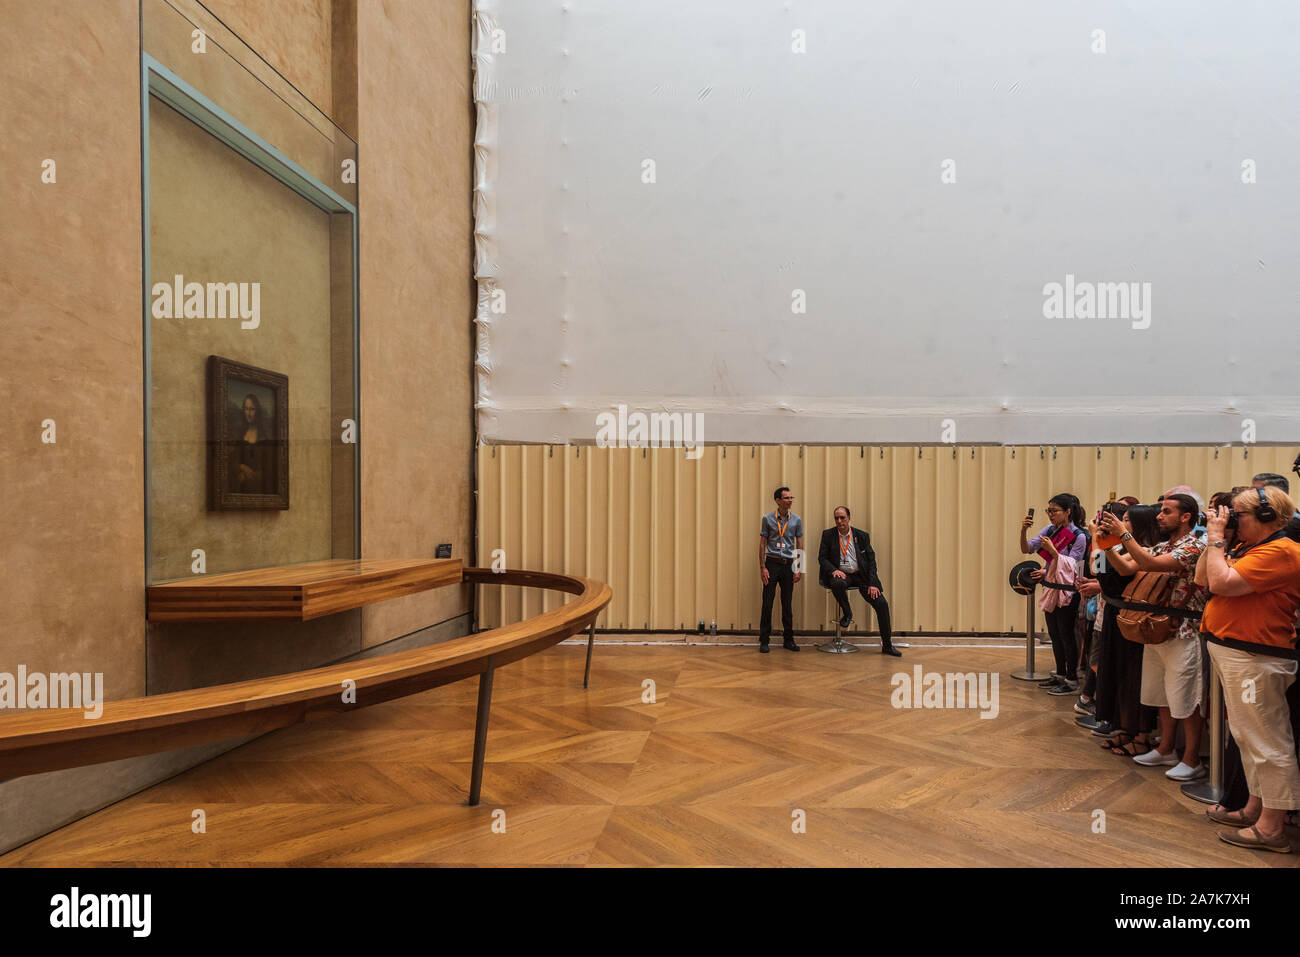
(1064, 536)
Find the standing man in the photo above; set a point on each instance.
(780, 536)
(848, 561)
(1171, 671)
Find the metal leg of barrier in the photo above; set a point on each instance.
(838, 646)
(1210, 791)
(480, 734)
(591, 638)
(1028, 673)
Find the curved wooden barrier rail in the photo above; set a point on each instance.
(33, 742)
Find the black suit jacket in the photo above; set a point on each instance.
(828, 556)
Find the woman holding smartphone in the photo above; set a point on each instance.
(1119, 669)
(1065, 536)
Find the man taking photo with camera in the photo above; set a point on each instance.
(1171, 670)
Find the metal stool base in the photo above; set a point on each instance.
(838, 647)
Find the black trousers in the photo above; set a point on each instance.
(1085, 638)
(1119, 679)
(840, 589)
(778, 574)
(1060, 625)
(1085, 649)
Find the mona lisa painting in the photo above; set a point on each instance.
(248, 437)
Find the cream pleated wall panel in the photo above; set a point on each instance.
(676, 538)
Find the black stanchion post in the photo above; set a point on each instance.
(1028, 673)
(1022, 584)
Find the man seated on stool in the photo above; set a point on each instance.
(847, 561)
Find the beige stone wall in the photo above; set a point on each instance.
(71, 273)
(416, 129)
(72, 539)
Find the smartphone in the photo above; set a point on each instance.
(1031, 513)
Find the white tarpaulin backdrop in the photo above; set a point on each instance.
(875, 221)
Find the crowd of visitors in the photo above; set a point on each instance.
(1146, 604)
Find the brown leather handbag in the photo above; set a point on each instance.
(1150, 620)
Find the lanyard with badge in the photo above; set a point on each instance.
(845, 541)
(780, 531)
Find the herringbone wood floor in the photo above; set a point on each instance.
(711, 773)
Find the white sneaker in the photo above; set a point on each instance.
(1154, 759)
(1181, 772)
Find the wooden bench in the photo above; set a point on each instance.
(32, 742)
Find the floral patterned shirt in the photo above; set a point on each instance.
(1186, 594)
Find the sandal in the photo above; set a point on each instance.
(1253, 839)
(1131, 750)
(1224, 816)
(1126, 749)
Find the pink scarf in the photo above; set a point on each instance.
(1061, 572)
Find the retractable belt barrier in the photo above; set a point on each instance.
(1143, 606)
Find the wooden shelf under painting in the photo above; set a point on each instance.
(297, 592)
